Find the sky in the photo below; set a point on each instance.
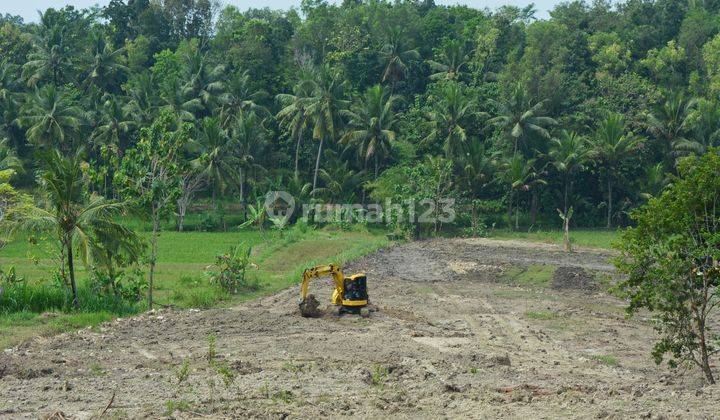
(28, 8)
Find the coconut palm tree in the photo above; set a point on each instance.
(204, 81)
(76, 217)
(518, 117)
(115, 123)
(8, 158)
(106, 62)
(51, 118)
(180, 104)
(249, 141)
(704, 123)
(451, 60)
(239, 96)
(612, 144)
(50, 59)
(449, 119)
(396, 56)
(568, 154)
(324, 108)
(479, 171)
(670, 123)
(372, 126)
(340, 181)
(521, 175)
(293, 114)
(216, 160)
(143, 103)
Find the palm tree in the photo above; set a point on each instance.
(114, 124)
(51, 117)
(372, 126)
(520, 175)
(479, 170)
(611, 144)
(217, 160)
(448, 119)
(293, 114)
(240, 96)
(204, 82)
(106, 62)
(396, 56)
(451, 60)
(324, 109)
(249, 139)
(8, 159)
(177, 101)
(670, 122)
(341, 182)
(144, 102)
(568, 154)
(51, 57)
(705, 129)
(518, 116)
(74, 216)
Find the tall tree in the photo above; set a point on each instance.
(518, 117)
(568, 154)
(449, 119)
(51, 118)
(396, 56)
(324, 108)
(611, 145)
(372, 126)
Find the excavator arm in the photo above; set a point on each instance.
(324, 270)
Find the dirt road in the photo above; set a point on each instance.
(454, 336)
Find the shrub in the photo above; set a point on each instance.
(230, 269)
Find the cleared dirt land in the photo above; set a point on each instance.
(464, 328)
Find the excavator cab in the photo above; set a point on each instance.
(350, 294)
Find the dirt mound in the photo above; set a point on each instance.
(310, 307)
(573, 278)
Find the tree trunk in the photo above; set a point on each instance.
(317, 163)
(509, 209)
(377, 166)
(297, 157)
(610, 203)
(182, 208)
(704, 356)
(71, 269)
(565, 196)
(153, 256)
(533, 207)
(566, 233)
(517, 212)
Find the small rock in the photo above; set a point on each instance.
(501, 360)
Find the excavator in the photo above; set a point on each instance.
(350, 294)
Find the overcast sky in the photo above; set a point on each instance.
(28, 8)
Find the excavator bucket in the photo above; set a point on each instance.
(310, 307)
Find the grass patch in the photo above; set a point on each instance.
(591, 238)
(606, 359)
(533, 275)
(541, 315)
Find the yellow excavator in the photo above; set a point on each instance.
(350, 294)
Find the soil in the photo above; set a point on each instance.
(449, 338)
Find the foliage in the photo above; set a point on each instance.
(230, 269)
(672, 262)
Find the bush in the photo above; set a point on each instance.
(672, 263)
(230, 271)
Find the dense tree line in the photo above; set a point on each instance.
(590, 109)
